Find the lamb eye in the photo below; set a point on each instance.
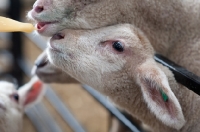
(16, 97)
(118, 46)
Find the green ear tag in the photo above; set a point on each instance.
(164, 95)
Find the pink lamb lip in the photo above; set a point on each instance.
(41, 26)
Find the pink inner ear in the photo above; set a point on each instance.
(34, 92)
(168, 105)
(156, 96)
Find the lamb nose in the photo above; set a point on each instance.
(39, 9)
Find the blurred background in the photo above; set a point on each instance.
(18, 50)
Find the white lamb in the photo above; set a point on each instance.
(118, 62)
(13, 102)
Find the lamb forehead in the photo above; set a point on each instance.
(120, 29)
(124, 31)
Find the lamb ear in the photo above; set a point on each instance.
(32, 92)
(158, 95)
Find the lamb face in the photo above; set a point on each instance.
(10, 111)
(52, 16)
(8, 98)
(118, 61)
(13, 102)
(77, 51)
(48, 14)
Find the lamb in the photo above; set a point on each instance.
(118, 62)
(13, 102)
(165, 23)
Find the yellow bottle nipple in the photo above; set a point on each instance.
(10, 25)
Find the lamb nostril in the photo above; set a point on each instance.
(58, 36)
(39, 9)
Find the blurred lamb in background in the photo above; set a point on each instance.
(13, 103)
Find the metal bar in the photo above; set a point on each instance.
(113, 110)
(25, 67)
(46, 117)
(39, 41)
(182, 75)
(63, 110)
(34, 117)
(16, 49)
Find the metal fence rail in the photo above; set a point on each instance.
(111, 108)
(16, 48)
(182, 75)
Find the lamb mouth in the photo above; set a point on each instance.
(41, 26)
(42, 62)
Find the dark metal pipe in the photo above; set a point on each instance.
(113, 110)
(16, 48)
(63, 111)
(182, 75)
